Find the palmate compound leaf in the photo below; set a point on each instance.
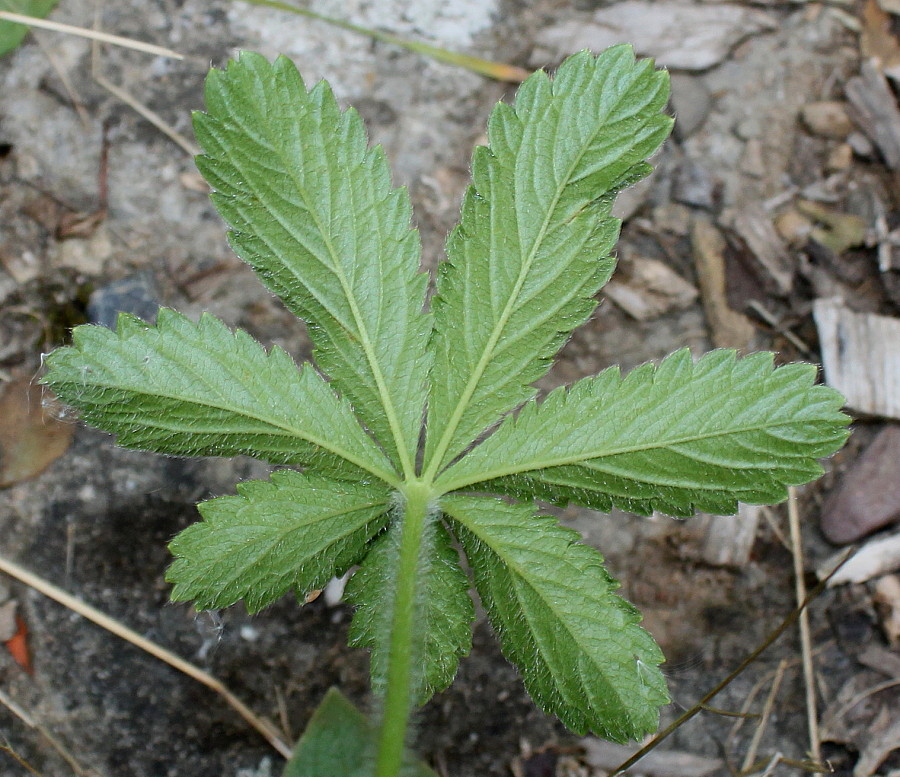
(444, 610)
(532, 247)
(199, 389)
(582, 655)
(312, 211)
(295, 532)
(673, 438)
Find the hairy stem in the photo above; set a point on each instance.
(398, 696)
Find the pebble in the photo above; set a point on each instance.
(861, 145)
(828, 118)
(691, 103)
(135, 294)
(752, 162)
(868, 497)
(694, 186)
(840, 158)
(793, 227)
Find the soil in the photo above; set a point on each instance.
(96, 522)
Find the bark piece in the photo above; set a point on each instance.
(887, 602)
(729, 539)
(648, 288)
(876, 111)
(729, 328)
(861, 356)
(874, 559)
(754, 228)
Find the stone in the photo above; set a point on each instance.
(793, 227)
(678, 34)
(828, 118)
(694, 186)
(868, 497)
(691, 103)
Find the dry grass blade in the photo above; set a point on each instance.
(748, 661)
(809, 677)
(485, 67)
(764, 719)
(19, 760)
(154, 118)
(266, 729)
(103, 37)
(70, 759)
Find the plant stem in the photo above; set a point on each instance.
(398, 697)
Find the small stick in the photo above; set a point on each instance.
(809, 675)
(496, 70)
(104, 621)
(863, 695)
(748, 661)
(103, 37)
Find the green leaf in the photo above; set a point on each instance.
(312, 211)
(582, 655)
(533, 243)
(295, 532)
(444, 611)
(11, 34)
(340, 742)
(201, 390)
(673, 438)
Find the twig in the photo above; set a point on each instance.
(16, 710)
(266, 729)
(809, 674)
(103, 37)
(773, 322)
(748, 661)
(863, 695)
(766, 713)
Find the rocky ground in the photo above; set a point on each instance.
(770, 223)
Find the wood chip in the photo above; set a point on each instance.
(877, 39)
(884, 740)
(876, 558)
(887, 602)
(729, 539)
(729, 328)
(753, 227)
(875, 110)
(861, 356)
(648, 288)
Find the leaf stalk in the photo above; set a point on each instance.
(398, 697)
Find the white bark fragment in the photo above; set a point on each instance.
(861, 356)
